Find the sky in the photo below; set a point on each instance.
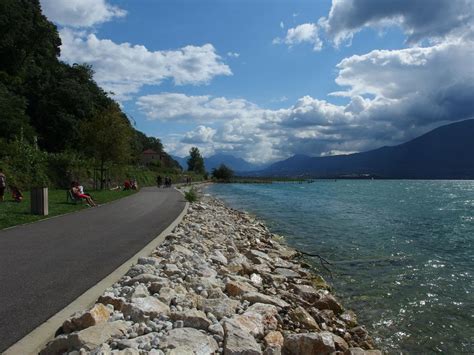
(266, 79)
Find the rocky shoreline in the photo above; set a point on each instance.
(220, 283)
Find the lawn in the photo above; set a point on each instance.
(13, 213)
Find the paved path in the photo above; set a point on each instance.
(46, 265)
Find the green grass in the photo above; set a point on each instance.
(13, 213)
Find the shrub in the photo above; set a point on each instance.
(191, 195)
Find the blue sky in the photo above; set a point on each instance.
(264, 80)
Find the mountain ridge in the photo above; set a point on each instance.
(445, 152)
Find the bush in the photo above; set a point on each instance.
(191, 195)
(24, 164)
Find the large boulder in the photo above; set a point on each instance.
(145, 307)
(257, 297)
(96, 315)
(238, 341)
(309, 343)
(88, 339)
(300, 315)
(307, 293)
(274, 339)
(328, 301)
(288, 273)
(180, 249)
(192, 318)
(350, 318)
(220, 307)
(193, 339)
(236, 288)
(140, 291)
(116, 302)
(218, 257)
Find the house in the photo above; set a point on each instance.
(150, 156)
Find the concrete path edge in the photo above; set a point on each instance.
(33, 342)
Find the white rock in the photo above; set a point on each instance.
(140, 291)
(198, 342)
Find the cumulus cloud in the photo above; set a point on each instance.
(124, 68)
(394, 96)
(305, 33)
(419, 19)
(413, 86)
(80, 13)
(176, 106)
(201, 134)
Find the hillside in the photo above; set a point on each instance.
(446, 152)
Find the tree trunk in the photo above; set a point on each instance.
(102, 174)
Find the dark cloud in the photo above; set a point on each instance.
(419, 18)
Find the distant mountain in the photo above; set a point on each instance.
(236, 164)
(446, 152)
(183, 162)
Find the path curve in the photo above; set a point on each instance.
(46, 265)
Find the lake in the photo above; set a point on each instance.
(401, 251)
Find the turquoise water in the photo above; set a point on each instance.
(402, 251)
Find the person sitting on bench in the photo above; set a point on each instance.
(76, 191)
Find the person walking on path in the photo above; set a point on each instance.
(3, 184)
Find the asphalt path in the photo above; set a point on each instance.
(46, 265)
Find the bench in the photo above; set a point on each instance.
(70, 196)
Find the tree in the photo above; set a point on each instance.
(107, 137)
(223, 173)
(13, 119)
(195, 161)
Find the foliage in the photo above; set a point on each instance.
(106, 136)
(196, 161)
(13, 118)
(54, 118)
(73, 99)
(223, 173)
(68, 166)
(24, 164)
(191, 195)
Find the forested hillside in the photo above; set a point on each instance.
(53, 116)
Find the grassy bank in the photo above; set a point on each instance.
(13, 213)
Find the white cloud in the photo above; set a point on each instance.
(175, 106)
(233, 54)
(305, 33)
(282, 25)
(394, 96)
(124, 68)
(419, 19)
(201, 134)
(80, 13)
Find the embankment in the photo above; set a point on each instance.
(219, 283)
